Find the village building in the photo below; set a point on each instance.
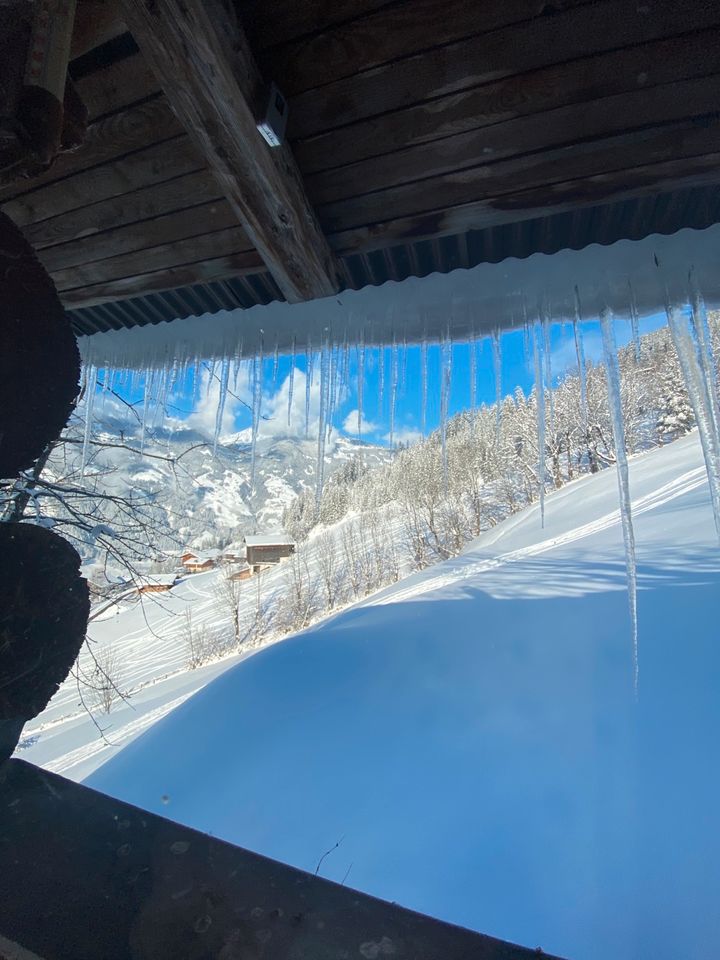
(157, 583)
(268, 548)
(198, 564)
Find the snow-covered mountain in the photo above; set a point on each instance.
(192, 492)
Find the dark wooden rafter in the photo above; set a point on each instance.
(205, 66)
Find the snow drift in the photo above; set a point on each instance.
(469, 743)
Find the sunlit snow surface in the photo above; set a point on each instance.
(471, 737)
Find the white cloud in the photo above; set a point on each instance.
(205, 412)
(350, 424)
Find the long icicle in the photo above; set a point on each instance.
(394, 373)
(308, 386)
(547, 355)
(701, 403)
(423, 384)
(623, 478)
(703, 336)
(497, 365)
(580, 354)
(291, 382)
(445, 384)
(257, 374)
(361, 379)
(222, 396)
(325, 380)
(540, 401)
(472, 345)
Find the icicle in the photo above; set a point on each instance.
(291, 381)
(580, 354)
(623, 479)
(403, 366)
(548, 366)
(332, 388)
(276, 362)
(473, 372)
(701, 401)
(540, 400)
(497, 364)
(308, 386)
(394, 376)
(445, 384)
(257, 372)
(325, 378)
(424, 383)
(224, 377)
(147, 396)
(90, 381)
(634, 321)
(703, 336)
(381, 380)
(361, 378)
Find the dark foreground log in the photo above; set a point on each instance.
(84, 876)
(39, 359)
(44, 606)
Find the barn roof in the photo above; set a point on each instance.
(269, 540)
(422, 138)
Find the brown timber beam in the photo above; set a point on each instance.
(204, 64)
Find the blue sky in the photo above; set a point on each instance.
(196, 403)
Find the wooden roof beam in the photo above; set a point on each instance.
(202, 60)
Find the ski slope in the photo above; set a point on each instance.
(469, 743)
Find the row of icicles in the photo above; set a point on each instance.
(688, 325)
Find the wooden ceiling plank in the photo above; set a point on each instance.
(207, 71)
(234, 265)
(116, 86)
(535, 203)
(519, 49)
(163, 256)
(127, 131)
(171, 227)
(270, 24)
(391, 33)
(572, 125)
(577, 81)
(161, 162)
(139, 205)
(491, 182)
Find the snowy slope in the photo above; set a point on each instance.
(471, 739)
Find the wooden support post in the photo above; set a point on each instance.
(201, 58)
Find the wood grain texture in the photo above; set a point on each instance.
(573, 125)
(270, 24)
(491, 182)
(210, 246)
(205, 67)
(114, 136)
(518, 49)
(533, 204)
(562, 84)
(117, 85)
(141, 284)
(158, 163)
(115, 212)
(168, 228)
(395, 31)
